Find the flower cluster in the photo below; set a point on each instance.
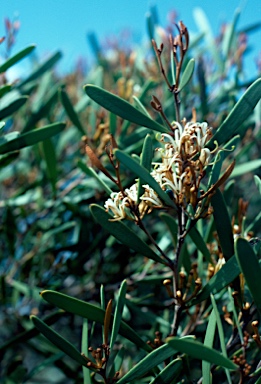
(179, 173)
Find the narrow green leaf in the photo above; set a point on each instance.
(250, 28)
(208, 342)
(220, 280)
(122, 108)
(200, 351)
(91, 172)
(144, 174)
(229, 36)
(85, 346)
(146, 159)
(58, 340)
(200, 243)
(47, 362)
(169, 373)
(187, 74)
(149, 362)
(258, 183)
(241, 169)
(5, 89)
(42, 112)
(113, 123)
(204, 27)
(7, 159)
(140, 106)
(249, 265)
(51, 163)
(123, 233)
(66, 102)
(221, 334)
(118, 313)
(30, 333)
(223, 224)
(25, 289)
(90, 312)
(171, 224)
(13, 106)
(32, 137)
(42, 68)
(17, 57)
(238, 115)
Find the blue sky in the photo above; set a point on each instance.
(63, 25)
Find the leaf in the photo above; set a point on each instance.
(250, 166)
(118, 313)
(123, 233)
(84, 347)
(13, 106)
(221, 334)
(51, 162)
(223, 224)
(229, 36)
(58, 340)
(169, 373)
(66, 102)
(30, 333)
(42, 111)
(241, 111)
(91, 172)
(146, 159)
(122, 108)
(205, 28)
(144, 174)
(17, 57)
(32, 137)
(5, 89)
(149, 362)
(42, 68)
(220, 280)
(208, 342)
(200, 243)
(171, 224)
(249, 265)
(187, 74)
(90, 312)
(200, 351)
(258, 183)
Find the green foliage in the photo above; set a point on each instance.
(131, 215)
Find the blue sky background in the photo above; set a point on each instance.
(63, 25)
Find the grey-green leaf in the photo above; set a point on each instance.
(144, 174)
(200, 243)
(118, 313)
(220, 280)
(42, 68)
(200, 351)
(90, 312)
(13, 106)
(238, 115)
(169, 373)
(150, 361)
(58, 340)
(17, 57)
(122, 108)
(32, 137)
(187, 74)
(223, 225)
(66, 102)
(146, 159)
(249, 265)
(123, 233)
